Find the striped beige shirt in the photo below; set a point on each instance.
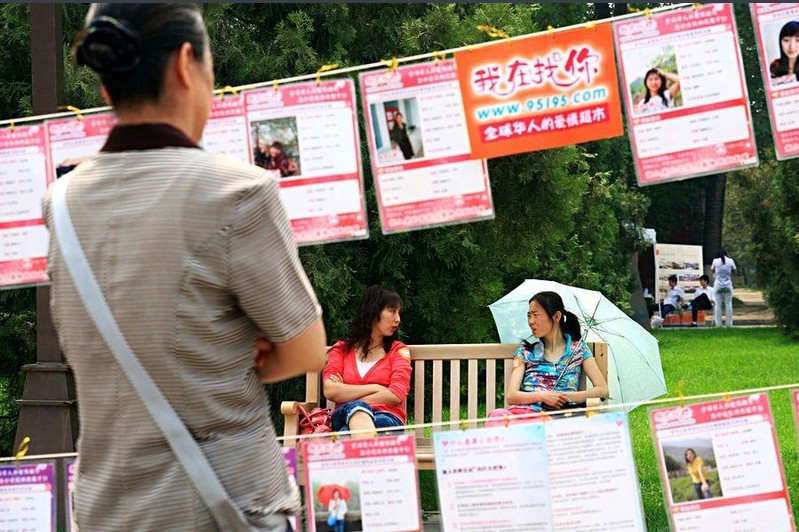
(194, 254)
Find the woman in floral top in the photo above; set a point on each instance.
(546, 373)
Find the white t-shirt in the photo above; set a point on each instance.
(364, 367)
(339, 509)
(723, 273)
(673, 295)
(655, 104)
(707, 291)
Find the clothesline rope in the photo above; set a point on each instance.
(464, 423)
(370, 66)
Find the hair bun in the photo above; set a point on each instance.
(109, 47)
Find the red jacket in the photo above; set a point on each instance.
(392, 371)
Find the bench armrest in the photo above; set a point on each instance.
(291, 419)
(594, 404)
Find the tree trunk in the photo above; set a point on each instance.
(601, 11)
(715, 187)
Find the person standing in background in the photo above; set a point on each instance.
(723, 269)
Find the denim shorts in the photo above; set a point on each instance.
(342, 414)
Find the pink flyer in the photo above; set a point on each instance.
(27, 497)
(419, 143)
(364, 484)
(685, 94)
(721, 466)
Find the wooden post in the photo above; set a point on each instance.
(48, 410)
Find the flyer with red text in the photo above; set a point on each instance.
(685, 94)
(307, 135)
(421, 159)
(540, 92)
(72, 140)
(592, 479)
(226, 129)
(27, 497)
(493, 478)
(24, 177)
(368, 483)
(721, 466)
(777, 31)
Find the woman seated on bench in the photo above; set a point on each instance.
(546, 374)
(368, 374)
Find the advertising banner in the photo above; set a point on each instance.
(421, 159)
(720, 466)
(71, 469)
(493, 478)
(777, 31)
(368, 483)
(685, 94)
(684, 261)
(307, 135)
(24, 174)
(72, 140)
(540, 92)
(27, 497)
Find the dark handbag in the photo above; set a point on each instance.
(317, 421)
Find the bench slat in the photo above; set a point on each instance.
(418, 397)
(472, 390)
(454, 390)
(438, 390)
(491, 385)
(462, 351)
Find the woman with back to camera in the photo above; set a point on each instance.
(546, 373)
(785, 69)
(368, 374)
(658, 94)
(194, 256)
(723, 269)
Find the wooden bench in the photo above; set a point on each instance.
(437, 377)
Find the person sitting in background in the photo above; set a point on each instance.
(368, 374)
(703, 299)
(546, 373)
(673, 297)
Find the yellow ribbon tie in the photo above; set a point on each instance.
(11, 126)
(324, 68)
(591, 25)
(492, 31)
(647, 12)
(231, 90)
(392, 63)
(22, 450)
(274, 85)
(695, 6)
(726, 397)
(464, 424)
(72, 108)
(439, 56)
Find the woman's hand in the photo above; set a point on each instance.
(553, 399)
(335, 378)
(705, 487)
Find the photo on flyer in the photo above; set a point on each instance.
(306, 134)
(777, 34)
(720, 466)
(685, 93)
(425, 175)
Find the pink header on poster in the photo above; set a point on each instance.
(376, 477)
(721, 466)
(780, 77)
(24, 176)
(685, 95)
(71, 140)
(307, 134)
(420, 150)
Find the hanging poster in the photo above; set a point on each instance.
(72, 140)
(27, 497)
(307, 135)
(593, 484)
(685, 262)
(540, 92)
(368, 483)
(24, 177)
(290, 458)
(684, 92)
(71, 469)
(493, 478)
(777, 30)
(721, 466)
(226, 129)
(421, 160)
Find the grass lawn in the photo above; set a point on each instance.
(705, 361)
